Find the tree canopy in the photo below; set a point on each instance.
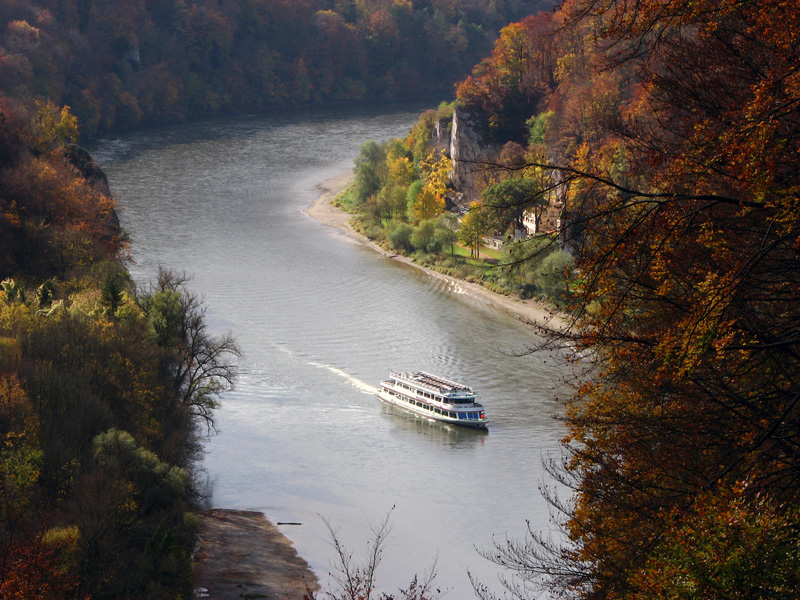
(102, 386)
(121, 64)
(671, 130)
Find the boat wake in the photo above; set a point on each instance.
(353, 381)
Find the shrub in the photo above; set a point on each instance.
(400, 237)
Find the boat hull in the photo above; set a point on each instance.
(407, 405)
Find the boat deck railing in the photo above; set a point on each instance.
(437, 384)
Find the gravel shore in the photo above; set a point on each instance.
(243, 555)
(527, 311)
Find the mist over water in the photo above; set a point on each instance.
(321, 319)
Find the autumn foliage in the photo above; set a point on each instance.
(671, 131)
(121, 64)
(104, 387)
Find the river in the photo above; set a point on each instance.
(321, 319)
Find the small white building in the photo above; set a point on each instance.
(544, 221)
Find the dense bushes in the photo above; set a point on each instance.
(101, 400)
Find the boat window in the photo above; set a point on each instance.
(462, 416)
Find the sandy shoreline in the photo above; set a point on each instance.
(527, 311)
(242, 555)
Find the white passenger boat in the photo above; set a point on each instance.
(434, 397)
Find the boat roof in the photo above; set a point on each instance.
(438, 384)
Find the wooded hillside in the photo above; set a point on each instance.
(671, 131)
(120, 64)
(104, 387)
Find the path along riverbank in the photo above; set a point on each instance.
(527, 311)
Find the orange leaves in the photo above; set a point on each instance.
(678, 125)
(732, 546)
(508, 85)
(46, 203)
(32, 571)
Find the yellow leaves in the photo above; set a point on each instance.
(18, 416)
(401, 170)
(68, 536)
(67, 541)
(20, 456)
(428, 205)
(565, 64)
(473, 227)
(578, 188)
(129, 505)
(54, 127)
(24, 32)
(512, 52)
(436, 168)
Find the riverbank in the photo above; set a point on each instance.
(529, 312)
(242, 555)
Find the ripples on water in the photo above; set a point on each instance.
(321, 320)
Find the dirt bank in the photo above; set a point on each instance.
(243, 555)
(527, 311)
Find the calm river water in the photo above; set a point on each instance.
(321, 320)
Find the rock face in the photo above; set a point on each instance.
(92, 172)
(440, 138)
(469, 154)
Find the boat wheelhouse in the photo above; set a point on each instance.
(434, 397)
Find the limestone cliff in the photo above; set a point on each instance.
(469, 153)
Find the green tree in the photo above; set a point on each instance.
(111, 295)
(400, 237)
(552, 275)
(424, 238)
(507, 202)
(447, 230)
(367, 182)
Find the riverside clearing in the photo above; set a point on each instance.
(529, 312)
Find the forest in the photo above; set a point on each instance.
(123, 64)
(106, 387)
(667, 131)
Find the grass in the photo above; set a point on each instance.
(490, 252)
(346, 201)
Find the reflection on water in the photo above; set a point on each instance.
(321, 321)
